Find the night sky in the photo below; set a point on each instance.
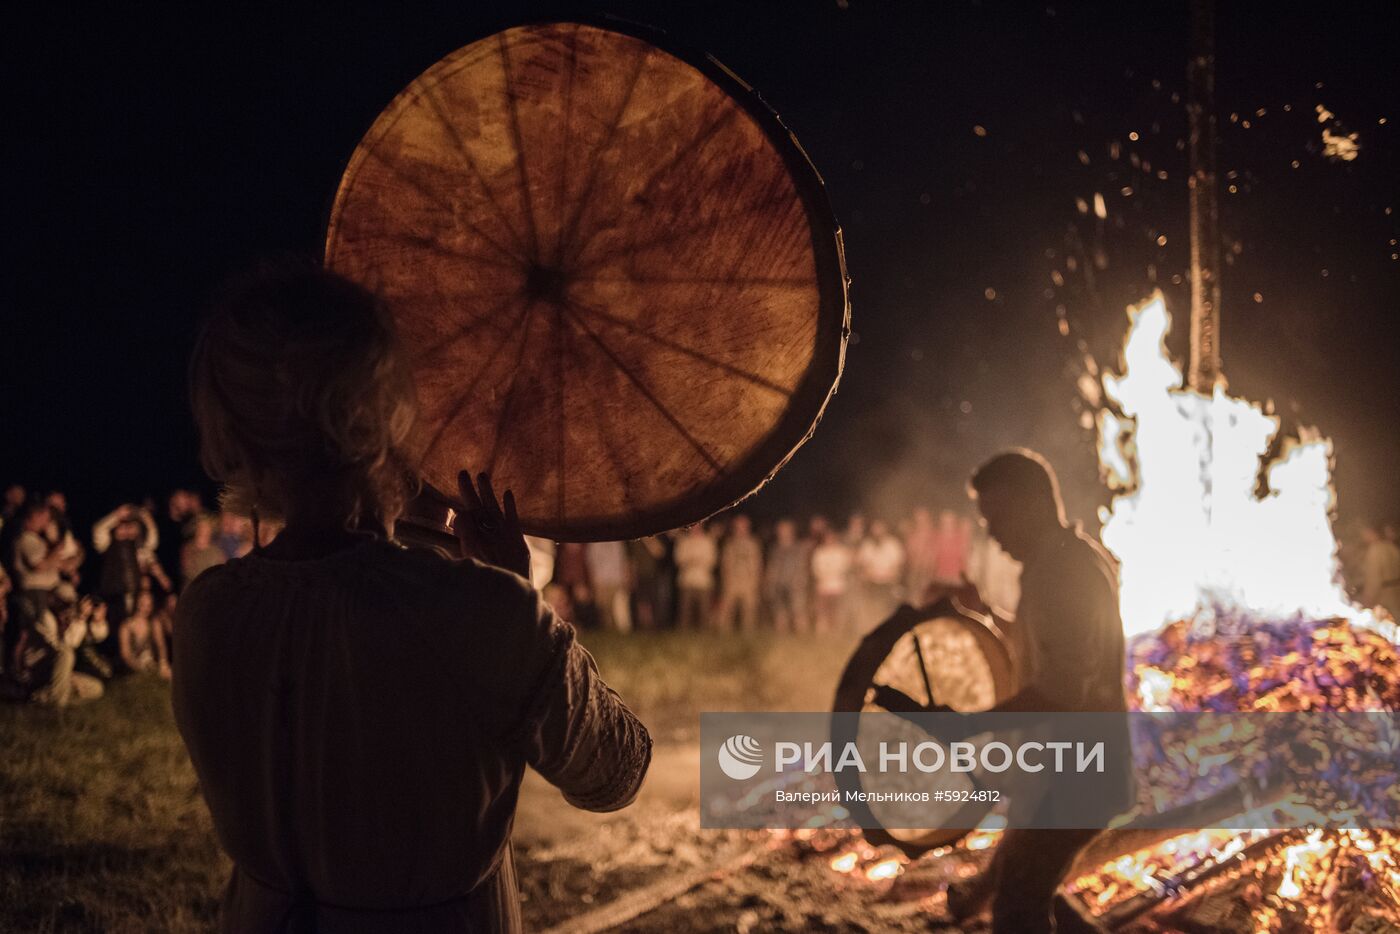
(151, 153)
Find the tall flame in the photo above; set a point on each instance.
(1192, 533)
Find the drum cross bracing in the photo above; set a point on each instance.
(615, 270)
(936, 654)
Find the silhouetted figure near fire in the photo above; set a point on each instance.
(360, 714)
(1071, 640)
(1069, 637)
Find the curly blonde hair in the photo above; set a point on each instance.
(297, 382)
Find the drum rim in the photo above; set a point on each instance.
(819, 383)
(847, 703)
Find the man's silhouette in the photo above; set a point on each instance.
(1072, 657)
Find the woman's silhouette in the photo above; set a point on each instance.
(360, 714)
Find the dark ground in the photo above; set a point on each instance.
(102, 827)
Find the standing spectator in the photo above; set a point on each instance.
(646, 556)
(740, 577)
(786, 579)
(541, 560)
(851, 607)
(15, 496)
(1380, 572)
(558, 599)
(175, 525)
(6, 587)
(164, 621)
(126, 538)
(880, 563)
(855, 530)
(38, 563)
(950, 554)
(199, 554)
(235, 535)
(607, 566)
(920, 555)
(142, 649)
(59, 535)
(696, 557)
(996, 574)
(816, 534)
(571, 570)
(831, 576)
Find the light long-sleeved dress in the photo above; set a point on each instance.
(360, 724)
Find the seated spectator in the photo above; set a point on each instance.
(47, 657)
(141, 646)
(92, 616)
(165, 625)
(199, 554)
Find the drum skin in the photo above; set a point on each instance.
(614, 269)
(950, 640)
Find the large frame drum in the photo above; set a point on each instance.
(615, 269)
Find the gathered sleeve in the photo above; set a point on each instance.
(558, 713)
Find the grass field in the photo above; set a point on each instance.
(101, 823)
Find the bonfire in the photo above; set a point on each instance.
(1232, 598)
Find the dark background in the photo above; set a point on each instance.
(149, 153)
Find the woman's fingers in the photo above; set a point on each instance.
(488, 495)
(468, 492)
(511, 518)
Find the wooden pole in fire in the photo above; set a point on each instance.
(1205, 230)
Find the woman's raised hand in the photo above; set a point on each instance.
(488, 532)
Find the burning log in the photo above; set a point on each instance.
(1192, 881)
(1149, 830)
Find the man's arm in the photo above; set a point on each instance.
(36, 555)
(152, 540)
(102, 529)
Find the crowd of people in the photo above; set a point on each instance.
(727, 575)
(79, 609)
(80, 606)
